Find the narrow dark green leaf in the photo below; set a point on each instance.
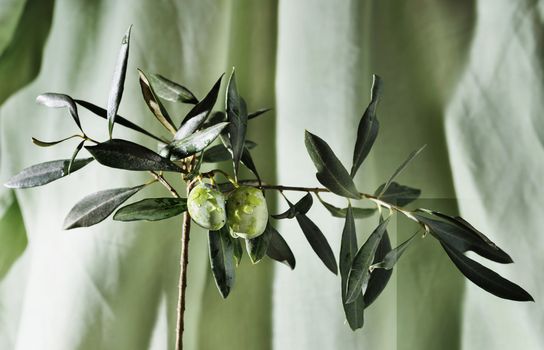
(463, 238)
(222, 259)
(348, 248)
(300, 207)
(279, 250)
(96, 207)
(152, 209)
(118, 83)
(44, 173)
(378, 278)
(220, 153)
(485, 278)
(257, 247)
(122, 154)
(179, 149)
(258, 113)
(74, 155)
(226, 154)
(391, 258)
(216, 154)
(359, 272)
(248, 162)
(457, 220)
(54, 100)
(368, 127)
(102, 113)
(238, 250)
(358, 213)
(237, 116)
(403, 166)
(171, 91)
(52, 143)
(318, 242)
(330, 172)
(205, 106)
(154, 104)
(397, 194)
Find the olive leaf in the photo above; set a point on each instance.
(196, 116)
(300, 207)
(485, 278)
(237, 116)
(393, 256)
(258, 113)
(397, 194)
(154, 104)
(54, 100)
(122, 154)
(74, 155)
(358, 213)
(330, 171)
(238, 250)
(41, 143)
(190, 126)
(403, 166)
(220, 153)
(360, 272)
(221, 249)
(44, 173)
(152, 209)
(96, 207)
(257, 247)
(205, 106)
(179, 149)
(118, 83)
(378, 278)
(459, 221)
(318, 242)
(279, 250)
(247, 160)
(368, 127)
(102, 113)
(463, 238)
(171, 91)
(348, 248)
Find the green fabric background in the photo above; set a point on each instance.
(463, 77)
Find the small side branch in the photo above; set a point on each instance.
(165, 183)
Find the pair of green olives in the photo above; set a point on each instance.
(244, 211)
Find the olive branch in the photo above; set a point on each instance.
(235, 211)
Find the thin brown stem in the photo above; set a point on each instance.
(184, 261)
(165, 183)
(370, 197)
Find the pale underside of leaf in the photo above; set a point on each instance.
(195, 142)
(118, 83)
(44, 173)
(98, 206)
(54, 100)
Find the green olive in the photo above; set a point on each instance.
(206, 206)
(247, 213)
